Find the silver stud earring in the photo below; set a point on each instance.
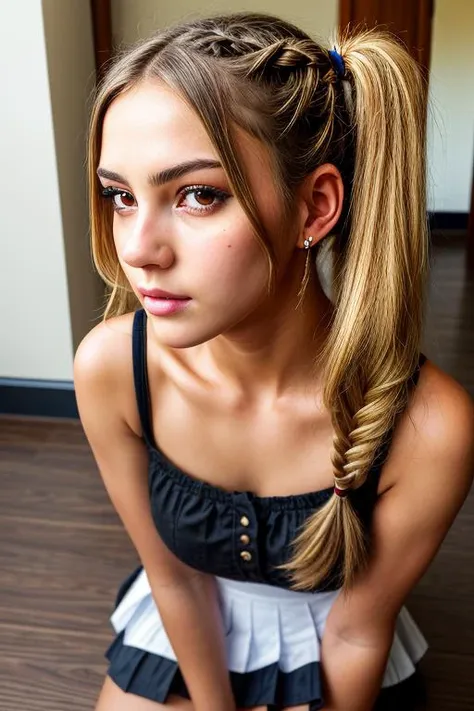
(307, 242)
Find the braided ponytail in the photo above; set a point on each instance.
(379, 280)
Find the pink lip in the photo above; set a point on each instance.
(164, 307)
(160, 294)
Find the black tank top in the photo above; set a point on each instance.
(235, 534)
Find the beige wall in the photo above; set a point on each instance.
(133, 19)
(71, 67)
(451, 140)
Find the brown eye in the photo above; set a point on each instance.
(123, 199)
(204, 197)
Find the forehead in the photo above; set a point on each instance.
(152, 121)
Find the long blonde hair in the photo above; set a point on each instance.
(270, 78)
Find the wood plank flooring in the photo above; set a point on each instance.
(63, 552)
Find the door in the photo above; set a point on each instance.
(410, 20)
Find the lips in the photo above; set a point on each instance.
(161, 294)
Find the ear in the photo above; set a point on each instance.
(322, 196)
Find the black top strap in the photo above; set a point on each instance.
(140, 375)
(416, 372)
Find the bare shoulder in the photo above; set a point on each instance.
(106, 349)
(443, 413)
(435, 439)
(103, 369)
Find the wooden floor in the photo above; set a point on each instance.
(63, 551)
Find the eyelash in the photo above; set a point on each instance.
(109, 193)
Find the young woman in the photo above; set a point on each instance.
(284, 458)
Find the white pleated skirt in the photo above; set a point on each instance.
(273, 640)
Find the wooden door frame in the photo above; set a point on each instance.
(424, 51)
(344, 13)
(101, 15)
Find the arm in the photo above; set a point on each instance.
(186, 598)
(429, 474)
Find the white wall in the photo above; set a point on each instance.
(49, 295)
(35, 326)
(451, 138)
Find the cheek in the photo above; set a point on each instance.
(126, 268)
(231, 269)
(118, 238)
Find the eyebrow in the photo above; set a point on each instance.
(167, 175)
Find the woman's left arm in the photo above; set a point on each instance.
(430, 470)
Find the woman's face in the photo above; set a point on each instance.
(188, 235)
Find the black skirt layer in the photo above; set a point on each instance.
(156, 678)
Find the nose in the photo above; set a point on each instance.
(143, 246)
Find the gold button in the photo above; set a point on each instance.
(245, 555)
(244, 521)
(244, 539)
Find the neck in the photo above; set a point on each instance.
(276, 347)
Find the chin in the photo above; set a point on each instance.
(180, 336)
(187, 330)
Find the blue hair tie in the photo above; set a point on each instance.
(338, 63)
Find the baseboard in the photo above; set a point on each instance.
(448, 220)
(38, 398)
